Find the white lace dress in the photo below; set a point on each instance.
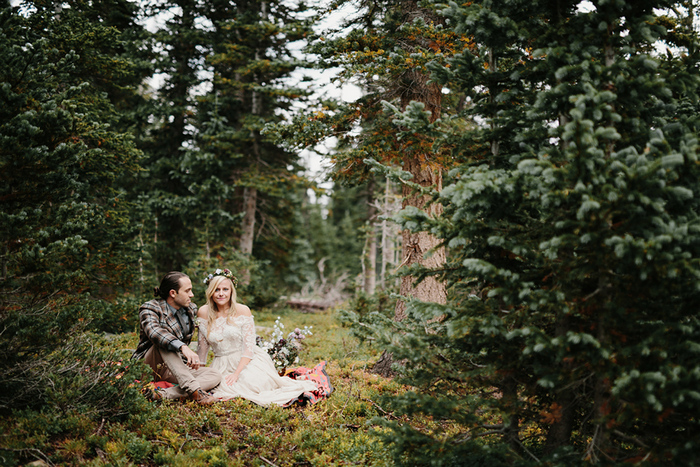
(259, 381)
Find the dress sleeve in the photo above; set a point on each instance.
(248, 331)
(202, 342)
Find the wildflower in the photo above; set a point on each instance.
(283, 350)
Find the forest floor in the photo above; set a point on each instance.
(341, 430)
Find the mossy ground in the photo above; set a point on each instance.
(336, 431)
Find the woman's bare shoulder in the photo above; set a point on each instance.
(203, 312)
(242, 310)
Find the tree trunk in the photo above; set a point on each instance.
(417, 245)
(383, 365)
(602, 401)
(387, 253)
(370, 270)
(142, 278)
(511, 432)
(414, 249)
(414, 86)
(250, 193)
(563, 410)
(250, 196)
(600, 443)
(245, 246)
(155, 249)
(493, 64)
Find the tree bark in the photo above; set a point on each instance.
(425, 173)
(155, 248)
(511, 433)
(387, 253)
(417, 245)
(250, 196)
(383, 365)
(413, 86)
(559, 432)
(370, 259)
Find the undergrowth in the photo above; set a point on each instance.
(336, 431)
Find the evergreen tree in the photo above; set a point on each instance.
(572, 332)
(252, 62)
(125, 84)
(215, 182)
(164, 194)
(66, 234)
(385, 47)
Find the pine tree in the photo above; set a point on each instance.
(385, 48)
(125, 84)
(244, 186)
(66, 230)
(215, 182)
(164, 194)
(572, 228)
(252, 59)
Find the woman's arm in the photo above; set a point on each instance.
(248, 331)
(202, 342)
(232, 378)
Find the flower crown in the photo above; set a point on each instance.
(222, 272)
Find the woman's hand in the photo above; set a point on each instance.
(232, 378)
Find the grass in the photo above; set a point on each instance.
(334, 432)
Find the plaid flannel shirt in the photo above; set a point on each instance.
(160, 326)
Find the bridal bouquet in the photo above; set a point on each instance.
(284, 350)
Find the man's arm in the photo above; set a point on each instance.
(156, 333)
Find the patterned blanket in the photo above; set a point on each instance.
(316, 374)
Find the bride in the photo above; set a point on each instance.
(228, 329)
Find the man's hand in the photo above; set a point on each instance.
(192, 358)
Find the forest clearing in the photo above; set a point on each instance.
(232, 433)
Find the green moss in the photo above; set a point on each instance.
(336, 431)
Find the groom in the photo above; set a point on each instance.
(167, 326)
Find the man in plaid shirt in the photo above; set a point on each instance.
(167, 326)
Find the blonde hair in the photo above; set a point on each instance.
(213, 308)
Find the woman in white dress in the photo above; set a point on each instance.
(228, 329)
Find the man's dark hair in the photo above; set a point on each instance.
(171, 281)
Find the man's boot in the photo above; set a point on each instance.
(202, 397)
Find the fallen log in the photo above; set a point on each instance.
(309, 306)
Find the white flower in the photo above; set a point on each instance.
(219, 271)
